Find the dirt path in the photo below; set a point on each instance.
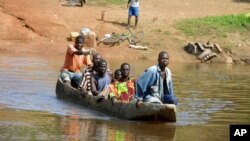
(40, 27)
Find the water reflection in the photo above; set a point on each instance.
(23, 125)
(116, 130)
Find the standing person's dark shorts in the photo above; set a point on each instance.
(133, 11)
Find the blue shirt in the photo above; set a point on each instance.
(150, 86)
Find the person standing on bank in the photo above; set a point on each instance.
(155, 85)
(133, 10)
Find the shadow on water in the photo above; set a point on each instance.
(245, 1)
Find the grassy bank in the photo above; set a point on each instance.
(215, 25)
(107, 2)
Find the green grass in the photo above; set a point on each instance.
(117, 1)
(215, 25)
(108, 2)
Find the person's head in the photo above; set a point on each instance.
(102, 67)
(163, 59)
(96, 58)
(125, 70)
(118, 74)
(79, 42)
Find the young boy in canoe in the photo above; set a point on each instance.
(117, 75)
(123, 89)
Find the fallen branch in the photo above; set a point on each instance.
(138, 47)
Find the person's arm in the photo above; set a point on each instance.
(80, 52)
(171, 87)
(93, 86)
(132, 96)
(128, 5)
(139, 100)
(105, 92)
(138, 95)
(170, 83)
(85, 52)
(82, 80)
(142, 83)
(110, 73)
(87, 61)
(112, 91)
(72, 50)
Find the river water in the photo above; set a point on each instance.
(211, 97)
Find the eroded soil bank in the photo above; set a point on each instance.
(43, 28)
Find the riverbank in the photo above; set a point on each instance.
(43, 28)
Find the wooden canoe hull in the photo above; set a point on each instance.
(128, 111)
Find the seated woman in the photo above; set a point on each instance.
(123, 89)
(100, 80)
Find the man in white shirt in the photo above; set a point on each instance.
(133, 6)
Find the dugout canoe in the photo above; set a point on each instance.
(127, 111)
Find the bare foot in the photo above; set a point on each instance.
(138, 103)
(67, 83)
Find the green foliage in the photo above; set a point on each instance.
(215, 25)
(108, 2)
(157, 30)
(117, 1)
(167, 33)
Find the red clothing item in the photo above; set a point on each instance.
(75, 62)
(123, 91)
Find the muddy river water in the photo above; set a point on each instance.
(211, 97)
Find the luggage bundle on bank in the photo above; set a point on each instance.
(74, 2)
(89, 36)
(203, 51)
